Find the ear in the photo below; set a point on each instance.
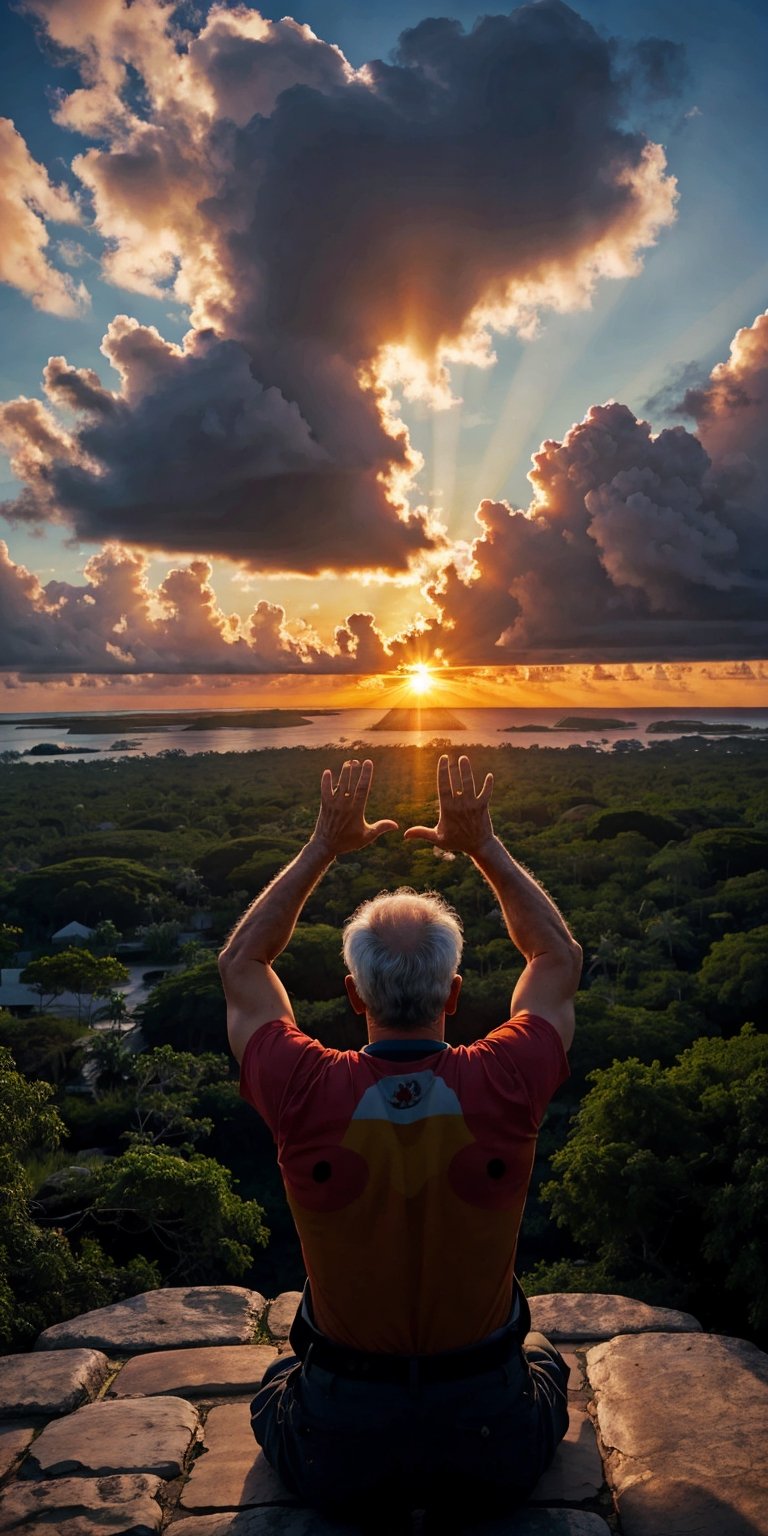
(453, 996)
(355, 999)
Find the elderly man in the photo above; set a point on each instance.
(414, 1379)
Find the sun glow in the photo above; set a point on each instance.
(420, 678)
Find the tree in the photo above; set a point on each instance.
(10, 940)
(165, 1087)
(44, 1046)
(183, 1210)
(43, 1279)
(187, 1009)
(663, 1181)
(161, 940)
(105, 936)
(78, 971)
(734, 978)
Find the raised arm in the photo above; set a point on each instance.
(254, 992)
(553, 958)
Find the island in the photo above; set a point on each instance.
(411, 719)
(53, 749)
(177, 720)
(703, 728)
(577, 723)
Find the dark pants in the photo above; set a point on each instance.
(474, 1446)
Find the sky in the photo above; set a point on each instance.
(369, 339)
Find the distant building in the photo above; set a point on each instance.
(73, 933)
(15, 996)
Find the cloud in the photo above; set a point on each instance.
(116, 623)
(27, 199)
(635, 545)
(336, 235)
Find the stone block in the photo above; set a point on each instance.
(30, 1384)
(14, 1439)
(231, 1472)
(277, 1520)
(574, 1316)
(683, 1419)
(542, 1522)
(576, 1472)
(281, 1313)
(224, 1371)
(83, 1506)
(179, 1317)
(147, 1434)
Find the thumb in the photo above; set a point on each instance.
(429, 834)
(377, 828)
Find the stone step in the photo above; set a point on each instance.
(683, 1421)
(229, 1370)
(83, 1506)
(14, 1440)
(179, 1317)
(146, 1434)
(29, 1385)
(281, 1313)
(277, 1521)
(231, 1473)
(576, 1316)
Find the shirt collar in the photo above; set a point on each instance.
(404, 1050)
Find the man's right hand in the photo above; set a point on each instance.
(464, 824)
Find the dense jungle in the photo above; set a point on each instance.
(127, 1157)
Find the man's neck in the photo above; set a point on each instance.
(378, 1032)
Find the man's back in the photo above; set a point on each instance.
(406, 1167)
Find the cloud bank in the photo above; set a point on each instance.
(333, 233)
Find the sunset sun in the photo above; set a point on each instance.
(420, 678)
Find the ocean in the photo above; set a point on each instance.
(349, 728)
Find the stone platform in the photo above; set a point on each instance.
(133, 1420)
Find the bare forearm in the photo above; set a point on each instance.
(533, 922)
(266, 928)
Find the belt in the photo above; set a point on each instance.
(314, 1348)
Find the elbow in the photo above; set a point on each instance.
(569, 958)
(576, 962)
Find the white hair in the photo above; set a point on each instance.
(402, 950)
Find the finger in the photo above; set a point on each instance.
(427, 834)
(364, 781)
(467, 777)
(326, 787)
(455, 779)
(342, 788)
(378, 828)
(486, 791)
(443, 780)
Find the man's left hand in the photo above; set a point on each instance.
(341, 824)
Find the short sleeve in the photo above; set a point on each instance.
(531, 1048)
(278, 1057)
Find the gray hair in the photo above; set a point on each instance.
(402, 950)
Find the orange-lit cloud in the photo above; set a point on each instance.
(334, 234)
(28, 198)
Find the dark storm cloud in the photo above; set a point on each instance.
(314, 218)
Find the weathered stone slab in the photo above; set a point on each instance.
(282, 1312)
(210, 1372)
(275, 1521)
(232, 1472)
(14, 1439)
(574, 1316)
(180, 1317)
(542, 1522)
(278, 1521)
(29, 1384)
(83, 1506)
(147, 1434)
(576, 1472)
(684, 1423)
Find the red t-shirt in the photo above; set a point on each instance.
(407, 1178)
